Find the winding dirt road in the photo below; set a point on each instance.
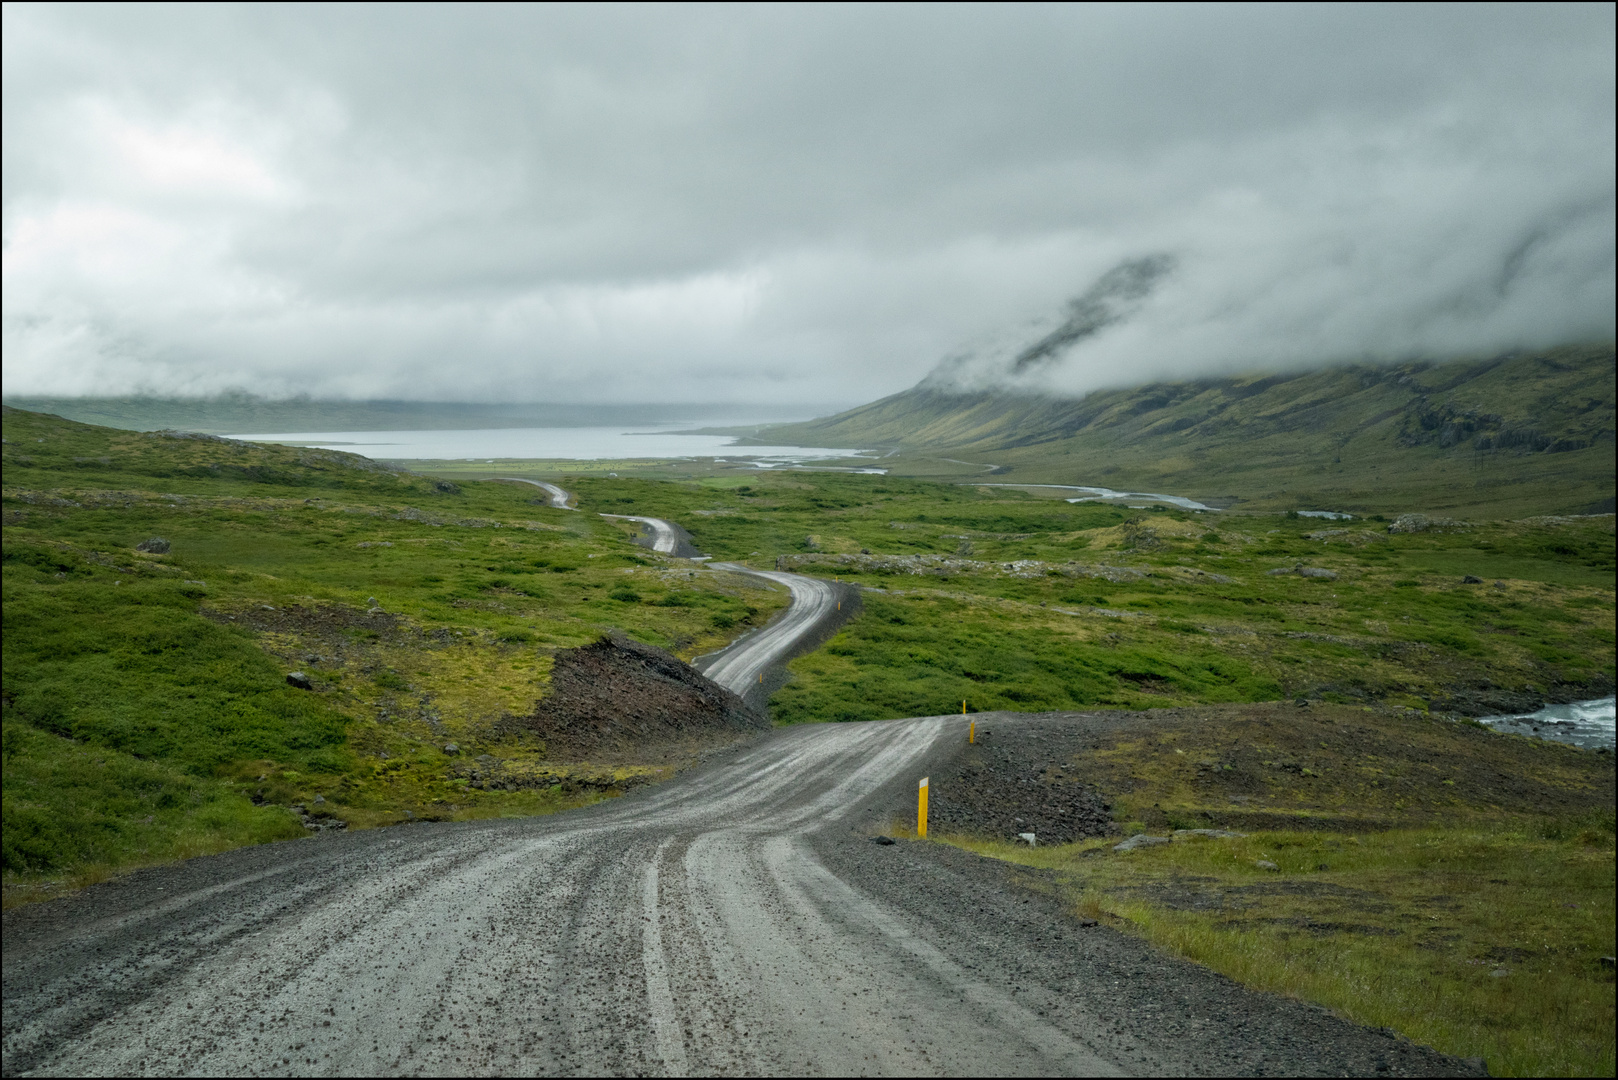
(558, 497)
(814, 606)
(736, 920)
(661, 535)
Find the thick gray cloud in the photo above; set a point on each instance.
(789, 203)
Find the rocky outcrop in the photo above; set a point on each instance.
(622, 697)
(1415, 523)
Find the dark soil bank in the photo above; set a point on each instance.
(1007, 785)
(1068, 776)
(622, 698)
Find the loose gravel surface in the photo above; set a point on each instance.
(738, 919)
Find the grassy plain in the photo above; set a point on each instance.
(1006, 599)
(146, 711)
(147, 715)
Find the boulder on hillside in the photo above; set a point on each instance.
(155, 546)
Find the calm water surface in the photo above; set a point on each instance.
(568, 444)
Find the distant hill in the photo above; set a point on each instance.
(1528, 432)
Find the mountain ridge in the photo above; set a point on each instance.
(1343, 433)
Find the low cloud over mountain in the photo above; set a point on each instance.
(780, 203)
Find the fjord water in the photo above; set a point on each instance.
(556, 443)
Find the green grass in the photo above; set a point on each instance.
(915, 656)
(1398, 625)
(177, 661)
(1402, 929)
(146, 709)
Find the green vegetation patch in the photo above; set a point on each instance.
(918, 655)
(148, 713)
(1431, 876)
(1483, 941)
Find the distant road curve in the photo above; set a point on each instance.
(814, 609)
(559, 497)
(817, 607)
(663, 536)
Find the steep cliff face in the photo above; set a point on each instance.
(621, 697)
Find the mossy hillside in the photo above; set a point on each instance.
(1527, 433)
(146, 705)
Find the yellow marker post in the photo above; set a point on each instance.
(972, 732)
(921, 810)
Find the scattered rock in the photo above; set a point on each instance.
(1305, 571)
(155, 546)
(1471, 580)
(451, 748)
(1087, 923)
(1499, 973)
(1136, 842)
(300, 680)
(1221, 834)
(1265, 864)
(319, 799)
(446, 487)
(947, 565)
(1028, 836)
(885, 841)
(1415, 523)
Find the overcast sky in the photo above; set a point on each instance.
(790, 204)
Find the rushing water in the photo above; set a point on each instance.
(1583, 723)
(1107, 495)
(572, 443)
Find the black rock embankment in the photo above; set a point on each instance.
(1021, 780)
(624, 699)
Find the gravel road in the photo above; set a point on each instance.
(558, 497)
(815, 606)
(664, 536)
(738, 919)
